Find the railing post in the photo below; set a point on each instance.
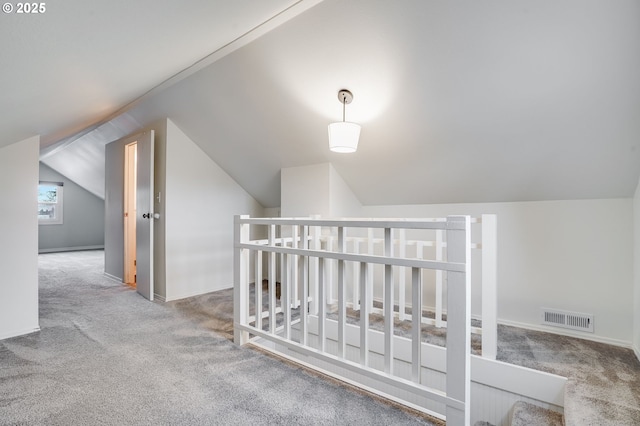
(241, 280)
(459, 319)
(489, 286)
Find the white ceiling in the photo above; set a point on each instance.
(80, 61)
(459, 101)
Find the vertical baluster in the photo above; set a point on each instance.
(272, 280)
(388, 303)
(402, 283)
(355, 281)
(322, 306)
(371, 251)
(258, 289)
(420, 255)
(285, 294)
(364, 316)
(416, 326)
(329, 274)
(295, 230)
(439, 278)
(313, 274)
(304, 287)
(342, 295)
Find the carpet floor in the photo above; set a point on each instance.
(106, 356)
(603, 385)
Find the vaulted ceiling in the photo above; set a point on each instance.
(459, 101)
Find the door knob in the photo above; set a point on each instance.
(146, 215)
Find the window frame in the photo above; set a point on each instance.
(58, 218)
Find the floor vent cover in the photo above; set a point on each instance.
(564, 319)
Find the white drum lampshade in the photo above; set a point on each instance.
(344, 136)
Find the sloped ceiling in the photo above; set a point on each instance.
(461, 101)
(79, 62)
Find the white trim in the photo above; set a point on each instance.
(187, 295)
(636, 350)
(113, 277)
(63, 249)
(568, 333)
(19, 333)
(158, 298)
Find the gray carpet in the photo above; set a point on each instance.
(603, 385)
(603, 381)
(106, 356)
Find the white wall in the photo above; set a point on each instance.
(200, 202)
(316, 189)
(19, 238)
(304, 191)
(636, 271)
(343, 202)
(573, 255)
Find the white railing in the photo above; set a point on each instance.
(307, 329)
(485, 283)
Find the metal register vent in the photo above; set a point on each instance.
(565, 319)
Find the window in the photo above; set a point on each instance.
(50, 203)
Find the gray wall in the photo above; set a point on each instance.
(83, 226)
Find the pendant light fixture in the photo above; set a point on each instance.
(343, 135)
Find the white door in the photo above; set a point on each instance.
(144, 215)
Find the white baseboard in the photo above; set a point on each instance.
(113, 277)
(187, 295)
(637, 352)
(17, 333)
(568, 333)
(62, 249)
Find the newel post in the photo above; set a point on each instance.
(240, 280)
(459, 319)
(489, 286)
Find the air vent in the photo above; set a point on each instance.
(564, 319)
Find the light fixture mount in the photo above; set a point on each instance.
(345, 96)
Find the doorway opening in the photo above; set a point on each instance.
(130, 185)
